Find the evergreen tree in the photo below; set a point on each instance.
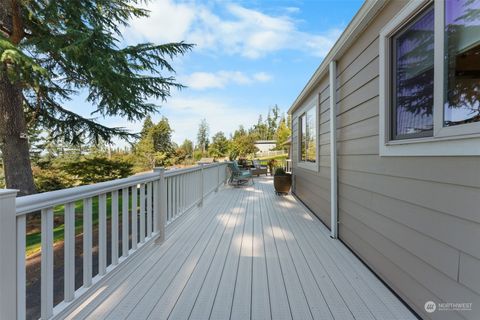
(239, 132)
(156, 147)
(202, 136)
(219, 146)
(147, 125)
(50, 50)
(272, 122)
(184, 151)
(282, 134)
(260, 130)
(187, 147)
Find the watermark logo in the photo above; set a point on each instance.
(430, 306)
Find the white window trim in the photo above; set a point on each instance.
(312, 103)
(460, 140)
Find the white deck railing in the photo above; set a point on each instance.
(288, 165)
(146, 204)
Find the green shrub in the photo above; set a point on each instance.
(98, 169)
(50, 179)
(280, 172)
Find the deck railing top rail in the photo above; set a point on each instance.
(28, 204)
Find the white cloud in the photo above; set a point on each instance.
(168, 22)
(262, 76)
(247, 32)
(185, 113)
(220, 79)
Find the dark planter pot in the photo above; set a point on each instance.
(282, 183)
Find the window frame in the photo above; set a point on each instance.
(313, 166)
(460, 140)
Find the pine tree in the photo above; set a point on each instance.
(202, 136)
(147, 125)
(272, 122)
(156, 148)
(187, 147)
(219, 146)
(50, 50)
(282, 134)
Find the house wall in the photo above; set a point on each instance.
(313, 187)
(414, 220)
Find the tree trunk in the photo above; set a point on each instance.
(14, 138)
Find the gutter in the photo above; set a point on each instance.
(333, 151)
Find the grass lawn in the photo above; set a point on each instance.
(33, 239)
(279, 158)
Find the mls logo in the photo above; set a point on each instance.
(430, 306)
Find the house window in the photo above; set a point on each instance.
(430, 80)
(412, 78)
(462, 62)
(308, 136)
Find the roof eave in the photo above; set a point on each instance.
(359, 22)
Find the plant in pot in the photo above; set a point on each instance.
(282, 181)
(271, 165)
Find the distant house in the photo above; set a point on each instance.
(265, 145)
(386, 148)
(206, 161)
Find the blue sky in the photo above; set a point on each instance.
(249, 56)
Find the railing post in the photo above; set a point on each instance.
(202, 179)
(8, 255)
(161, 204)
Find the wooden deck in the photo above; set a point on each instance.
(246, 254)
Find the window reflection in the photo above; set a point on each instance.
(308, 134)
(303, 128)
(462, 45)
(311, 135)
(413, 78)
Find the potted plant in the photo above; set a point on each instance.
(271, 164)
(282, 181)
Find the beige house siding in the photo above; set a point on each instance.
(313, 187)
(414, 220)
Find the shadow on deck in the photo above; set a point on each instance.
(246, 254)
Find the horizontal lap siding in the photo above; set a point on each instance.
(313, 187)
(414, 220)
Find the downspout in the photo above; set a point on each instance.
(333, 151)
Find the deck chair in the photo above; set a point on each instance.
(258, 169)
(238, 177)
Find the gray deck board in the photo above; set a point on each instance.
(246, 254)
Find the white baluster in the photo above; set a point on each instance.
(149, 209)
(169, 199)
(87, 242)
(134, 217)
(47, 264)
(102, 234)
(114, 232)
(69, 252)
(21, 271)
(125, 234)
(142, 213)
